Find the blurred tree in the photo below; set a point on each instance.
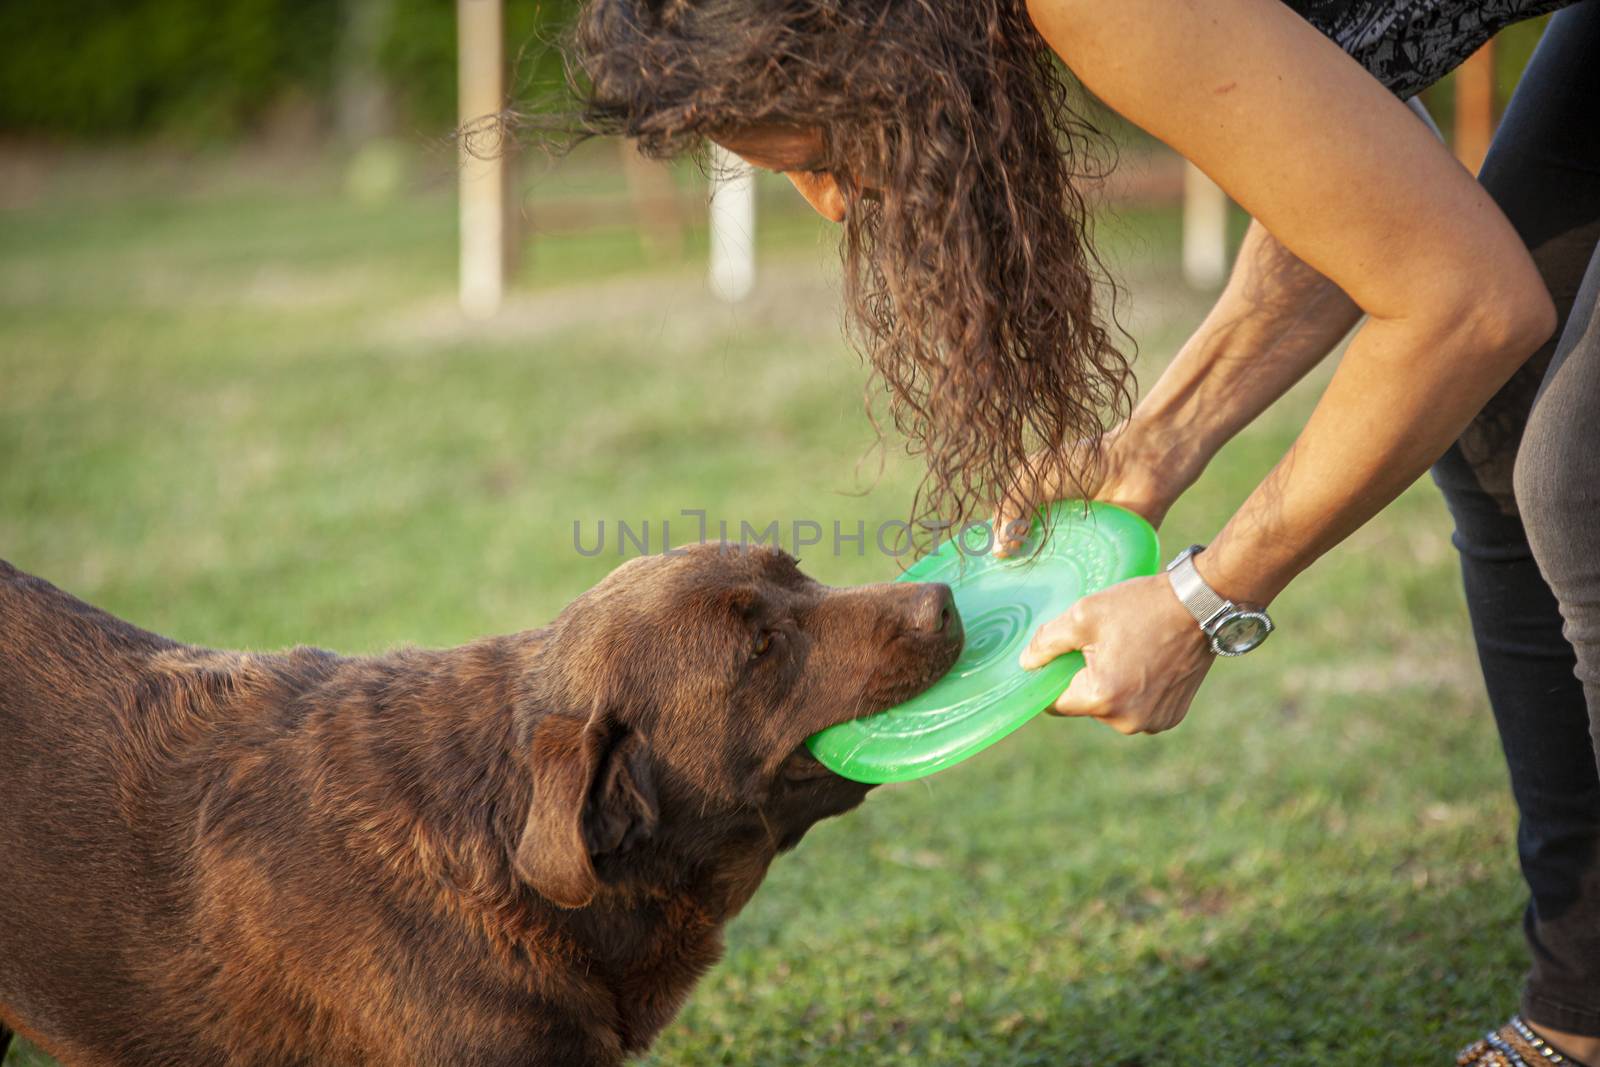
(361, 99)
(199, 69)
(99, 67)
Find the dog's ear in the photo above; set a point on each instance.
(593, 794)
(622, 808)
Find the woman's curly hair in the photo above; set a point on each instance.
(970, 280)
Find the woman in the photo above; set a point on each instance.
(938, 133)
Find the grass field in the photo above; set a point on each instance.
(242, 412)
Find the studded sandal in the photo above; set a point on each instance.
(1513, 1045)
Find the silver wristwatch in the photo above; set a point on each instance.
(1231, 629)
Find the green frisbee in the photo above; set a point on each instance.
(986, 695)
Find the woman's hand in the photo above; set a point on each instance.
(1129, 471)
(1144, 657)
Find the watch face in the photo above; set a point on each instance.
(1240, 633)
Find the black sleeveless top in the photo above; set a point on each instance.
(1410, 44)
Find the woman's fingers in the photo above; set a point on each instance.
(1119, 469)
(1011, 522)
(1144, 658)
(1069, 632)
(1089, 696)
(1084, 695)
(1040, 482)
(1009, 533)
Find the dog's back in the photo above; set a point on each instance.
(63, 665)
(179, 830)
(108, 736)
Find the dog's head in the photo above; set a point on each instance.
(673, 703)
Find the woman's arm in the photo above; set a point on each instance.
(1275, 320)
(1351, 184)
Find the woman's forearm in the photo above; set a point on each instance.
(1404, 391)
(1276, 319)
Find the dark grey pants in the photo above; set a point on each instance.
(1523, 485)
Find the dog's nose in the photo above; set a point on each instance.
(934, 609)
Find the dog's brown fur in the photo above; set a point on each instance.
(521, 851)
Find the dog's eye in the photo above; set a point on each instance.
(763, 644)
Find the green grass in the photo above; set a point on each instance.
(243, 413)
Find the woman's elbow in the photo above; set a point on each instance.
(1504, 319)
(1515, 317)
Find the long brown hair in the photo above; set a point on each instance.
(971, 282)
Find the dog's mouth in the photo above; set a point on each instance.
(930, 657)
(802, 766)
(925, 658)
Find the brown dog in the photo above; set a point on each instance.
(518, 852)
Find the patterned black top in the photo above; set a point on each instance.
(1410, 44)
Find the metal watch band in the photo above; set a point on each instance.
(1199, 598)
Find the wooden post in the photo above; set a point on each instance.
(1475, 107)
(481, 97)
(733, 226)
(1205, 230)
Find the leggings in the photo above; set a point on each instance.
(1523, 486)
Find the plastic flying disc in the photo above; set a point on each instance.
(986, 695)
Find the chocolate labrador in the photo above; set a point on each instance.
(518, 852)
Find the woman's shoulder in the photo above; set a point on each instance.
(1410, 44)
